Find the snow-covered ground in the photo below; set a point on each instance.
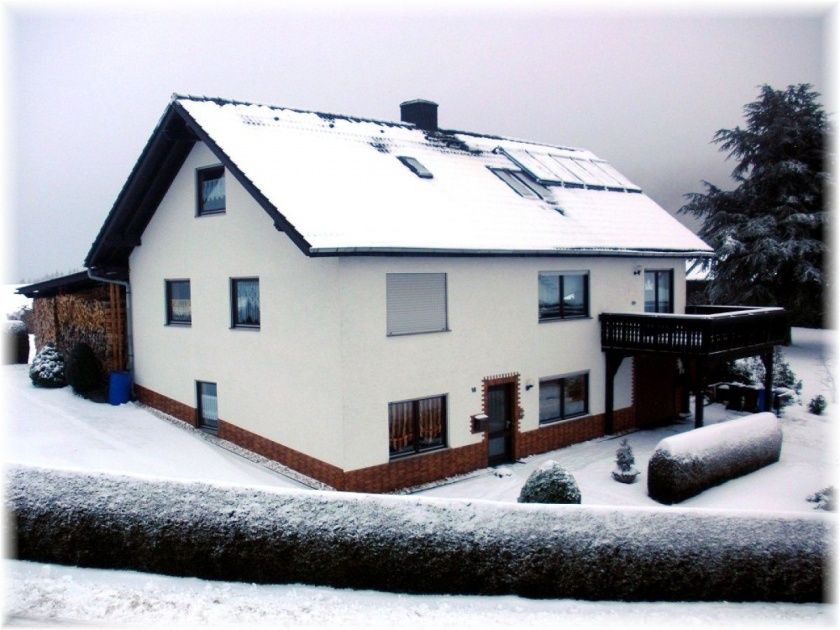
(54, 428)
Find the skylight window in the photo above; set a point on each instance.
(524, 184)
(415, 166)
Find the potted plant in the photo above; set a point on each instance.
(625, 471)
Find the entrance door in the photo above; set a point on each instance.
(499, 415)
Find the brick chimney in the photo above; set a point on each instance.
(421, 113)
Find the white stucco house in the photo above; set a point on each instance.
(380, 304)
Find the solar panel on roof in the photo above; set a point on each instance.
(608, 168)
(525, 160)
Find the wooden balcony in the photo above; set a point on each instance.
(704, 331)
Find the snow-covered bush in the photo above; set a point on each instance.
(750, 371)
(84, 372)
(686, 464)
(817, 405)
(824, 499)
(415, 544)
(47, 369)
(625, 470)
(550, 483)
(15, 342)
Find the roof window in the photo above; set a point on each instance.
(415, 166)
(524, 184)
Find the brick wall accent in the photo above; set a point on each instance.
(167, 405)
(309, 466)
(559, 434)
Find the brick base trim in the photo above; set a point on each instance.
(167, 405)
(553, 436)
(401, 473)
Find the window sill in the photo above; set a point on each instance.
(179, 324)
(422, 332)
(398, 458)
(553, 421)
(209, 213)
(546, 320)
(244, 327)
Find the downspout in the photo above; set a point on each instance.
(129, 334)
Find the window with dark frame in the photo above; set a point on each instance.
(563, 295)
(178, 303)
(415, 166)
(525, 185)
(659, 291)
(245, 302)
(208, 405)
(564, 398)
(210, 190)
(416, 426)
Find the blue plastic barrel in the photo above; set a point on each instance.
(119, 387)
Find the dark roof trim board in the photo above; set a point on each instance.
(71, 283)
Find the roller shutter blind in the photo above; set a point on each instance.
(416, 302)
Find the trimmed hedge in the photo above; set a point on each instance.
(550, 483)
(410, 544)
(15, 342)
(686, 464)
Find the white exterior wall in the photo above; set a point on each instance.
(281, 381)
(319, 373)
(494, 329)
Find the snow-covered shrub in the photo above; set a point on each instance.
(686, 464)
(750, 371)
(550, 483)
(15, 342)
(84, 372)
(47, 368)
(824, 499)
(415, 544)
(817, 405)
(625, 470)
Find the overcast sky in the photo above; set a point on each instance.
(645, 90)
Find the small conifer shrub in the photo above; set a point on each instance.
(817, 405)
(625, 471)
(824, 499)
(47, 369)
(550, 483)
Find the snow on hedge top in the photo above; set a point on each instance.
(338, 181)
(730, 433)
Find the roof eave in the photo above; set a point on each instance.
(461, 252)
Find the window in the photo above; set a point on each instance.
(245, 302)
(178, 305)
(566, 397)
(563, 295)
(524, 184)
(208, 406)
(415, 426)
(415, 303)
(659, 291)
(416, 167)
(210, 190)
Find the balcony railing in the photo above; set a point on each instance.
(703, 331)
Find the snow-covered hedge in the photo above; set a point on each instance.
(412, 544)
(550, 483)
(686, 464)
(47, 368)
(15, 342)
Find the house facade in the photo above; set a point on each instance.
(379, 305)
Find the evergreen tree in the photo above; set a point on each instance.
(769, 231)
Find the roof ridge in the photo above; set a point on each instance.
(391, 123)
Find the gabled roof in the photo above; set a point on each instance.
(336, 186)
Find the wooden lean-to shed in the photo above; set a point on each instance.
(75, 309)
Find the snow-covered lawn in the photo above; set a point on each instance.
(54, 428)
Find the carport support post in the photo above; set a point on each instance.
(699, 388)
(767, 359)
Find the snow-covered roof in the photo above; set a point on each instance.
(336, 185)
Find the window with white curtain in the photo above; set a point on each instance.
(245, 302)
(178, 303)
(210, 190)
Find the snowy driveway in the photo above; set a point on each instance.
(54, 428)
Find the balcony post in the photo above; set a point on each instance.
(767, 359)
(699, 388)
